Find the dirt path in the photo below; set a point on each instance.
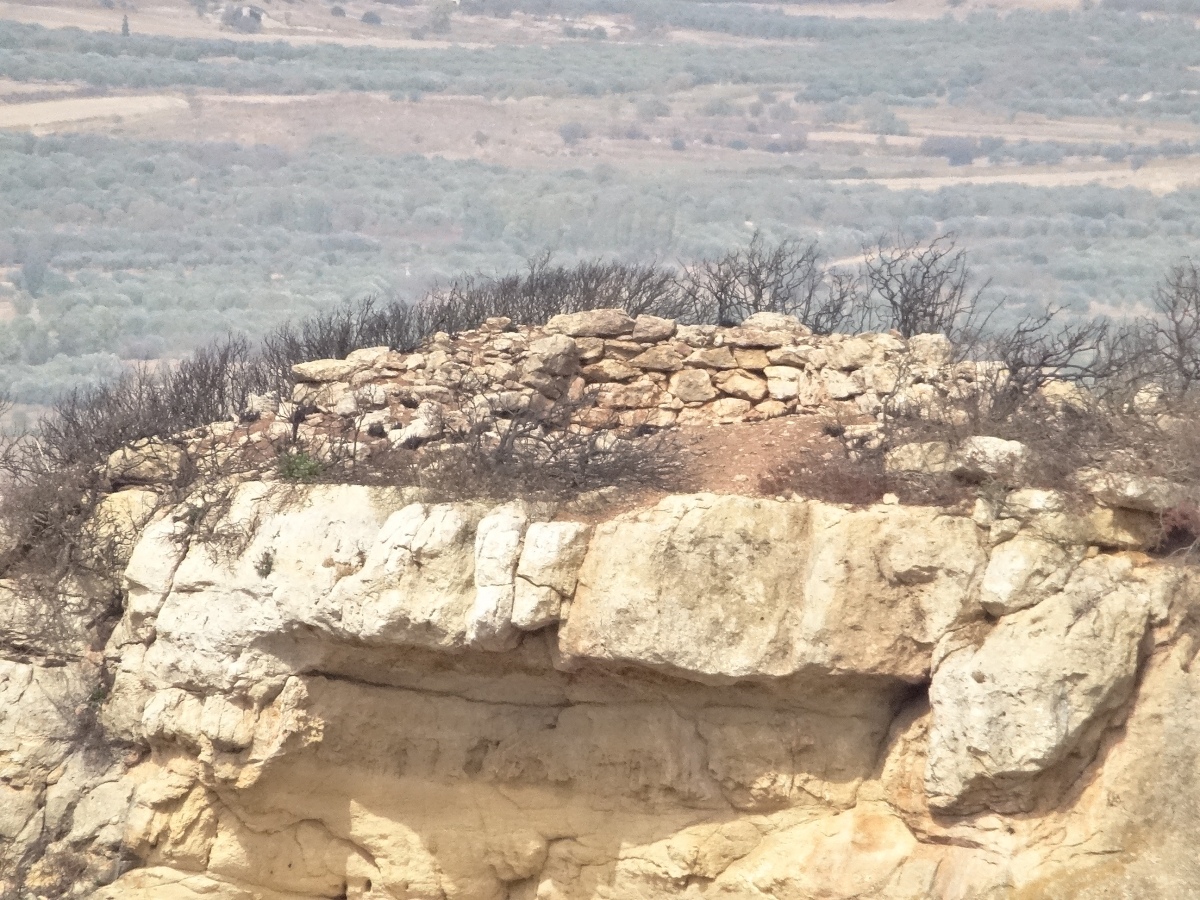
(55, 112)
(1157, 178)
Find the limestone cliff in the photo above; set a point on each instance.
(296, 691)
(357, 695)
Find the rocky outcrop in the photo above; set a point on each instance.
(346, 692)
(267, 689)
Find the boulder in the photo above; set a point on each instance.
(1123, 529)
(982, 458)
(658, 359)
(692, 386)
(931, 351)
(319, 371)
(426, 426)
(773, 321)
(555, 354)
(841, 385)
(852, 353)
(799, 356)
(1034, 693)
(1125, 490)
(1024, 571)
(755, 360)
(750, 336)
(498, 539)
(723, 586)
(148, 461)
(784, 382)
(637, 395)
(975, 459)
(547, 572)
(608, 370)
(652, 329)
(742, 385)
(712, 358)
(728, 409)
(605, 323)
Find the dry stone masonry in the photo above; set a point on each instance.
(632, 372)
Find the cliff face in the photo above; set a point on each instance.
(343, 693)
(336, 691)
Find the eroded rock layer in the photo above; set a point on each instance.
(344, 693)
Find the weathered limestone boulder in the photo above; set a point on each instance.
(693, 386)
(929, 458)
(658, 359)
(977, 458)
(714, 358)
(742, 385)
(1023, 571)
(756, 337)
(605, 323)
(498, 539)
(652, 329)
(773, 321)
(852, 353)
(320, 371)
(555, 354)
(1035, 694)
(150, 461)
(711, 586)
(981, 457)
(609, 370)
(930, 351)
(547, 572)
(426, 425)
(841, 385)
(1147, 493)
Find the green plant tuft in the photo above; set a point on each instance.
(299, 466)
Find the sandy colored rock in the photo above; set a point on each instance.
(754, 337)
(651, 329)
(1024, 571)
(712, 358)
(609, 370)
(1140, 492)
(728, 586)
(755, 360)
(547, 572)
(555, 354)
(324, 370)
(658, 359)
(1038, 687)
(773, 321)
(692, 386)
(636, 395)
(930, 350)
(742, 385)
(841, 385)
(981, 457)
(852, 353)
(603, 323)
(145, 462)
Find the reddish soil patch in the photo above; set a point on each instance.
(736, 459)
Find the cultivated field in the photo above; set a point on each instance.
(198, 177)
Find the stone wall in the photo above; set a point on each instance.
(623, 372)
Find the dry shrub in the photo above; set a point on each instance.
(788, 277)
(855, 478)
(535, 453)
